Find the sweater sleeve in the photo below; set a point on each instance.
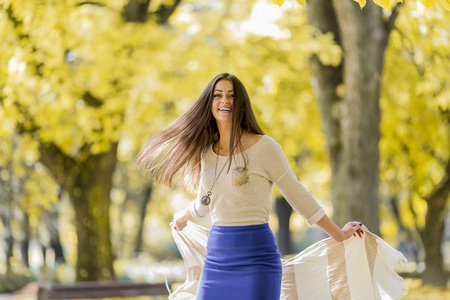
(280, 173)
(196, 208)
(299, 198)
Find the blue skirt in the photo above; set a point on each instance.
(242, 262)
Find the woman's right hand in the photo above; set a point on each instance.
(178, 224)
(180, 219)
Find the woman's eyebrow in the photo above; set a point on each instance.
(217, 90)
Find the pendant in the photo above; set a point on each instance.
(206, 200)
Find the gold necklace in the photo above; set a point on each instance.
(206, 200)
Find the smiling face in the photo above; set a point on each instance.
(222, 104)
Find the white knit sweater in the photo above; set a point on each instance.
(244, 197)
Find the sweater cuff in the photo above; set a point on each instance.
(316, 217)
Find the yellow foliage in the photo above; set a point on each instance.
(415, 141)
(386, 4)
(445, 4)
(361, 3)
(389, 228)
(278, 2)
(301, 2)
(429, 3)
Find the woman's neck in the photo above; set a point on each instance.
(222, 146)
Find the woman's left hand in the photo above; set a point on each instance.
(338, 234)
(352, 228)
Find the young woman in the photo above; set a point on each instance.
(225, 155)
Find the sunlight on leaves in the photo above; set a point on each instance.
(429, 3)
(386, 4)
(361, 3)
(278, 2)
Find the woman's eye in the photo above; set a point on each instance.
(231, 96)
(217, 95)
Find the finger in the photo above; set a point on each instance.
(354, 225)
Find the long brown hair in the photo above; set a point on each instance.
(182, 143)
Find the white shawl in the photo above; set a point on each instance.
(358, 268)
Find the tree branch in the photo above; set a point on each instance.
(90, 3)
(390, 24)
(91, 99)
(63, 167)
(165, 11)
(136, 11)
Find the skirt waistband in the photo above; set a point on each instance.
(241, 228)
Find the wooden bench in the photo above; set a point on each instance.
(98, 289)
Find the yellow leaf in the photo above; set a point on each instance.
(278, 2)
(429, 3)
(301, 2)
(445, 4)
(401, 1)
(361, 3)
(386, 4)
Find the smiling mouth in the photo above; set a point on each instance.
(225, 109)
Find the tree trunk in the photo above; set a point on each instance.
(8, 238)
(52, 224)
(90, 196)
(364, 42)
(144, 202)
(284, 211)
(432, 233)
(6, 196)
(25, 242)
(88, 183)
(352, 118)
(326, 82)
(432, 237)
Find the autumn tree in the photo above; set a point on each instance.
(65, 83)
(349, 99)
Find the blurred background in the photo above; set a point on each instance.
(358, 98)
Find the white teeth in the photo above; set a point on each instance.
(224, 109)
